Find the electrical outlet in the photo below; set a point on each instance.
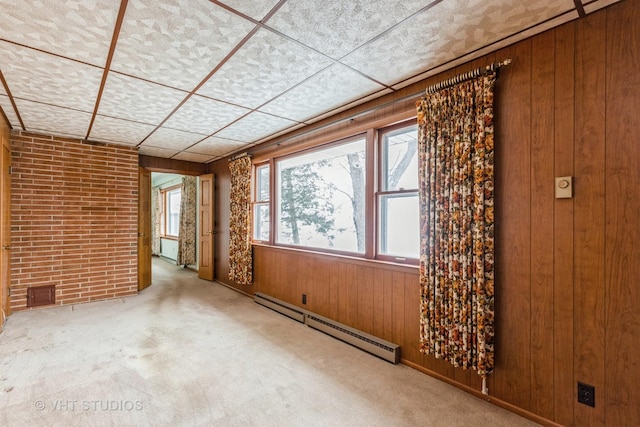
(304, 299)
(587, 394)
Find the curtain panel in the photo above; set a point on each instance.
(187, 233)
(155, 221)
(240, 253)
(456, 186)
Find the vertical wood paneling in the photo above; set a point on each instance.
(513, 228)
(365, 300)
(320, 291)
(351, 282)
(398, 310)
(334, 295)
(343, 294)
(411, 344)
(564, 389)
(589, 213)
(542, 213)
(387, 289)
(622, 280)
(378, 303)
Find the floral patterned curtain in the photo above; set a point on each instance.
(155, 221)
(187, 232)
(240, 255)
(457, 225)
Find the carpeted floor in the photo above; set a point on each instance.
(187, 352)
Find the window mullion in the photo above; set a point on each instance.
(370, 188)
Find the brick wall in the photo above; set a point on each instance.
(73, 219)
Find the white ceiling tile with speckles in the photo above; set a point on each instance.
(256, 9)
(336, 27)
(134, 99)
(49, 118)
(78, 29)
(254, 127)
(192, 157)
(214, 146)
(204, 115)
(267, 65)
(119, 131)
(157, 152)
(446, 31)
(312, 98)
(176, 42)
(36, 75)
(172, 139)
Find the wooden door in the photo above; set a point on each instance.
(144, 228)
(205, 228)
(5, 229)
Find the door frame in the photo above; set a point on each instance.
(154, 164)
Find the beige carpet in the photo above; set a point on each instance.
(187, 352)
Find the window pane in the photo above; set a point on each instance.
(262, 183)
(321, 198)
(400, 225)
(261, 222)
(400, 159)
(173, 211)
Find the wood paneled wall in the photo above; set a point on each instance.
(567, 285)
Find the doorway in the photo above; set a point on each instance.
(180, 204)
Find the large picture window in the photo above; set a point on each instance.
(357, 196)
(321, 197)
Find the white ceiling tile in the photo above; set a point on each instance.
(78, 29)
(134, 99)
(176, 42)
(446, 31)
(157, 152)
(192, 157)
(172, 139)
(312, 98)
(349, 105)
(256, 9)
(52, 119)
(264, 67)
(490, 48)
(5, 104)
(254, 126)
(119, 131)
(35, 75)
(214, 146)
(204, 115)
(597, 5)
(336, 27)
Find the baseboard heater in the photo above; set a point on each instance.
(374, 345)
(281, 307)
(369, 343)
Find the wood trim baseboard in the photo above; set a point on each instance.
(487, 398)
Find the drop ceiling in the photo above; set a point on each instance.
(198, 80)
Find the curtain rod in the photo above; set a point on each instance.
(480, 71)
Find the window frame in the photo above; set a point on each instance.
(268, 202)
(382, 192)
(374, 137)
(164, 211)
